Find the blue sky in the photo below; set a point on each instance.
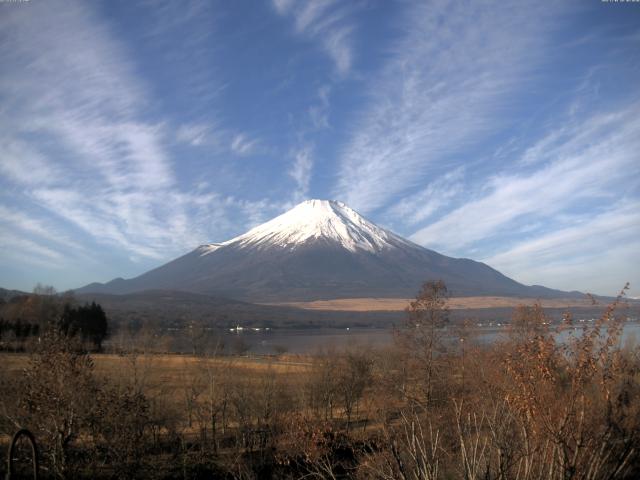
(507, 132)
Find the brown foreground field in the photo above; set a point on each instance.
(526, 408)
(169, 369)
(170, 375)
(455, 303)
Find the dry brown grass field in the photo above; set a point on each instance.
(171, 368)
(170, 375)
(455, 303)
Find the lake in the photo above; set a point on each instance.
(308, 341)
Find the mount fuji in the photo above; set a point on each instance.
(319, 250)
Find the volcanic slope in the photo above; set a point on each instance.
(320, 249)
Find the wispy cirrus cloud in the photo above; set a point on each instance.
(442, 88)
(218, 139)
(430, 200)
(196, 134)
(569, 174)
(73, 93)
(242, 145)
(589, 252)
(195, 23)
(300, 172)
(14, 243)
(24, 250)
(24, 164)
(34, 239)
(24, 223)
(319, 112)
(326, 22)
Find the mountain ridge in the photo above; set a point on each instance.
(320, 249)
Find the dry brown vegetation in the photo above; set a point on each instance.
(455, 303)
(527, 408)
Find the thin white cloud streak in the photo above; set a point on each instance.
(22, 163)
(195, 134)
(573, 134)
(143, 226)
(325, 22)
(194, 22)
(25, 224)
(242, 145)
(593, 253)
(620, 223)
(15, 247)
(64, 59)
(97, 220)
(428, 201)
(26, 239)
(283, 6)
(300, 172)
(218, 139)
(586, 171)
(169, 16)
(319, 113)
(255, 211)
(127, 154)
(440, 92)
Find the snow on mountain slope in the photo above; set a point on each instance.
(312, 220)
(209, 248)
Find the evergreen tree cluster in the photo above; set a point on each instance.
(89, 322)
(20, 329)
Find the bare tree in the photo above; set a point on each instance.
(322, 386)
(58, 401)
(422, 338)
(354, 375)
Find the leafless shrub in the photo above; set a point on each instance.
(58, 398)
(411, 450)
(568, 398)
(121, 429)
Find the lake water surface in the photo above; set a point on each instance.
(309, 341)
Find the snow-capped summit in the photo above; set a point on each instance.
(326, 220)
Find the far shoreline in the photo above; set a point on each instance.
(375, 304)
